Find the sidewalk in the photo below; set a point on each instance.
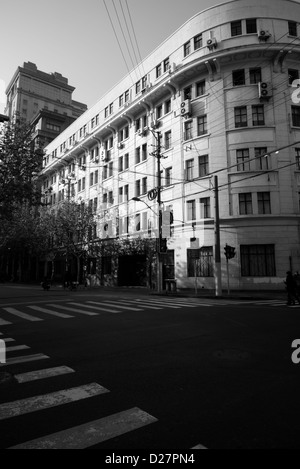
(21, 290)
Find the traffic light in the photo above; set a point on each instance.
(229, 252)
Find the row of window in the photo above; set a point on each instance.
(256, 260)
(245, 206)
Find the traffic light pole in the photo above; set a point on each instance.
(218, 274)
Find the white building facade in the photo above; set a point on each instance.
(221, 93)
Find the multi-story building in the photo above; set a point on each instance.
(220, 92)
(44, 100)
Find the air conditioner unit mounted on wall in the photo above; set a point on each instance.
(212, 43)
(264, 90)
(263, 35)
(185, 108)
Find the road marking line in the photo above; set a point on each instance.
(42, 374)
(4, 323)
(25, 358)
(46, 401)
(108, 303)
(74, 310)
(144, 302)
(17, 347)
(28, 317)
(160, 303)
(199, 447)
(108, 310)
(48, 311)
(8, 339)
(92, 433)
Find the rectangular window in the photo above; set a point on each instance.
(238, 77)
(261, 153)
(110, 169)
(202, 125)
(168, 177)
(126, 193)
(236, 28)
(138, 87)
(242, 159)
(188, 130)
(168, 140)
(258, 260)
(258, 115)
(138, 155)
(168, 106)
(159, 111)
(198, 41)
(191, 210)
(297, 158)
(264, 203)
(121, 100)
(138, 222)
(158, 70)
(190, 170)
(251, 26)
(240, 117)
(187, 93)
(200, 88)
(127, 94)
(293, 75)
(137, 188)
(202, 266)
(79, 185)
(245, 204)
(187, 48)
(166, 64)
(83, 183)
(255, 75)
(203, 165)
(293, 28)
(144, 82)
(91, 179)
(126, 161)
(110, 197)
(205, 207)
(120, 165)
(296, 116)
(120, 195)
(144, 186)
(144, 152)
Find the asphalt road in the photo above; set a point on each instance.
(149, 373)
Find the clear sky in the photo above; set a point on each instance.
(76, 38)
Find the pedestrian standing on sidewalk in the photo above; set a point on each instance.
(291, 289)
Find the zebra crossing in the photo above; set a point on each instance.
(83, 436)
(71, 309)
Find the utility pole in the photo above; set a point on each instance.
(159, 260)
(218, 274)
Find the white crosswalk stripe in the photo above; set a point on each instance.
(25, 359)
(74, 310)
(16, 348)
(42, 374)
(45, 401)
(111, 304)
(92, 433)
(48, 311)
(22, 315)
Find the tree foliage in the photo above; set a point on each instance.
(19, 165)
